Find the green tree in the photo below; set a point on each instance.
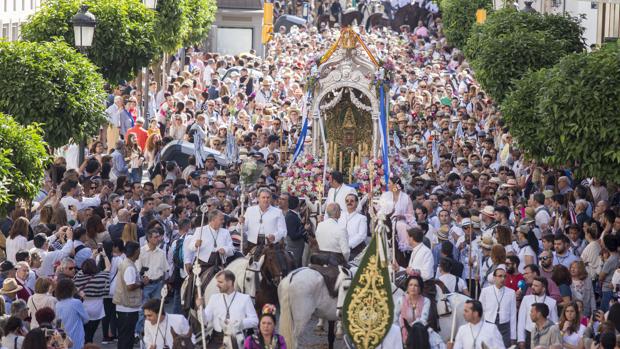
(510, 43)
(171, 24)
(23, 160)
(124, 39)
(459, 16)
(201, 14)
(566, 114)
(52, 84)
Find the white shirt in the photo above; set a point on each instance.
(332, 237)
(471, 336)
(502, 301)
(14, 245)
(49, 258)
(566, 260)
(163, 334)
(237, 305)
(338, 195)
(525, 322)
(356, 225)
(450, 281)
(212, 240)
(270, 222)
(155, 260)
(422, 259)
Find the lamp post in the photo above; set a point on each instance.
(151, 5)
(84, 24)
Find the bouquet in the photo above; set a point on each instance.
(397, 169)
(304, 177)
(249, 171)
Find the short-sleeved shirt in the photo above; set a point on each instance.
(610, 266)
(565, 290)
(130, 277)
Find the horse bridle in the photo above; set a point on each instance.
(256, 279)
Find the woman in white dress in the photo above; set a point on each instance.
(18, 238)
(527, 247)
(403, 216)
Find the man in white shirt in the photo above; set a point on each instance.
(262, 222)
(338, 191)
(525, 326)
(421, 261)
(332, 237)
(228, 308)
(212, 242)
(153, 268)
(477, 331)
(500, 304)
(272, 147)
(113, 114)
(542, 216)
(356, 225)
(160, 336)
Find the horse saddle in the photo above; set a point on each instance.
(328, 259)
(330, 276)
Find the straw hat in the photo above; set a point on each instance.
(442, 233)
(10, 286)
(488, 211)
(487, 241)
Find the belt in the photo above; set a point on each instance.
(155, 280)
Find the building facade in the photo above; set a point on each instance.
(13, 14)
(237, 27)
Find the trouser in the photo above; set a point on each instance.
(217, 339)
(108, 324)
(605, 298)
(152, 290)
(297, 248)
(126, 329)
(472, 286)
(89, 330)
(112, 136)
(248, 246)
(504, 330)
(176, 301)
(528, 339)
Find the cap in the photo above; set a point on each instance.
(162, 207)
(195, 174)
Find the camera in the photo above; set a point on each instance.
(143, 270)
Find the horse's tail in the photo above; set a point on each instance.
(287, 326)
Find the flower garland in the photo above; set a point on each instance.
(398, 168)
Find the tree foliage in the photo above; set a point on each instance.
(201, 14)
(171, 24)
(124, 38)
(23, 160)
(510, 43)
(459, 16)
(52, 84)
(566, 114)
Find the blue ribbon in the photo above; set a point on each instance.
(299, 147)
(384, 134)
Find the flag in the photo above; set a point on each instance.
(459, 131)
(299, 147)
(384, 134)
(396, 140)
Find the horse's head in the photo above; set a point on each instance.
(276, 264)
(342, 285)
(251, 277)
(181, 341)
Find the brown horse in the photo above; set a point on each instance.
(276, 264)
(409, 15)
(183, 341)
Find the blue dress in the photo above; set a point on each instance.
(73, 316)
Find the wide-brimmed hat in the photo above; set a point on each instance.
(10, 286)
(510, 183)
(442, 233)
(466, 222)
(488, 211)
(475, 221)
(266, 82)
(486, 241)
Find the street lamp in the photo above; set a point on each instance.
(150, 4)
(84, 24)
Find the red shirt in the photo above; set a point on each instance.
(141, 135)
(512, 281)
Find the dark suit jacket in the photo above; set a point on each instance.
(294, 226)
(116, 231)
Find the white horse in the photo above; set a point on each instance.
(303, 293)
(247, 277)
(447, 305)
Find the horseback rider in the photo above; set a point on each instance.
(356, 225)
(212, 243)
(262, 222)
(332, 238)
(229, 311)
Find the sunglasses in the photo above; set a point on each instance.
(545, 258)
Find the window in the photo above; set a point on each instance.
(5, 31)
(15, 32)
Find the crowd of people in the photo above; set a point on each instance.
(535, 248)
